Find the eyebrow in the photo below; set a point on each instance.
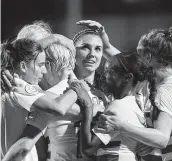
(99, 46)
(41, 63)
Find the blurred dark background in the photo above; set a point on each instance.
(124, 20)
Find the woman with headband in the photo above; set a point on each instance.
(89, 49)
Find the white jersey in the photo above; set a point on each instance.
(61, 130)
(14, 112)
(121, 147)
(163, 101)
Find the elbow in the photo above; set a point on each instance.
(88, 150)
(163, 144)
(61, 110)
(62, 113)
(27, 147)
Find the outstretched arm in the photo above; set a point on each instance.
(157, 137)
(109, 49)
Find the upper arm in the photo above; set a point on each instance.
(25, 101)
(163, 101)
(110, 51)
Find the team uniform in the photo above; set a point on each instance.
(117, 147)
(14, 112)
(61, 130)
(163, 101)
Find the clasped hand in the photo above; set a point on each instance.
(84, 99)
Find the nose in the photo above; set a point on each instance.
(44, 70)
(91, 53)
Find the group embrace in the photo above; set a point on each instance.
(56, 106)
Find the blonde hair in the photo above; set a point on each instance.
(58, 55)
(35, 31)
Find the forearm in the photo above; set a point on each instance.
(47, 41)
(108, 50)
(148, 136)
(57, 106)
(66, 101)
(90, 142)
(20, 149)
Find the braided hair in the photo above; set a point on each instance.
(158, 42)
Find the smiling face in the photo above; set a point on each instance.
(89, 50)
(35, 69)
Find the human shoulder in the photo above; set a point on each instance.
(163, 98)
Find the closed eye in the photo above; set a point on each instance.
(41, 64)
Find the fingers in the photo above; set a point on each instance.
(100, 130)
(8, 75)
(103, 117)
(3, 87)
(6, 82)
(84, 22)
(108, 119)
(76, 86)
(91, 24)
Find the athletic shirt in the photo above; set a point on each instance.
(118, 147)
(61, 131)
(163, 101)
(14, 112)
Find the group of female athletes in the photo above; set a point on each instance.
(55, 106)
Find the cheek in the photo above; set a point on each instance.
(80, 56)
(37, 71)
(98, 57)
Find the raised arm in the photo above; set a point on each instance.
(109, 49)
(57, 39)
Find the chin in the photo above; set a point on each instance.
(91, 69)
